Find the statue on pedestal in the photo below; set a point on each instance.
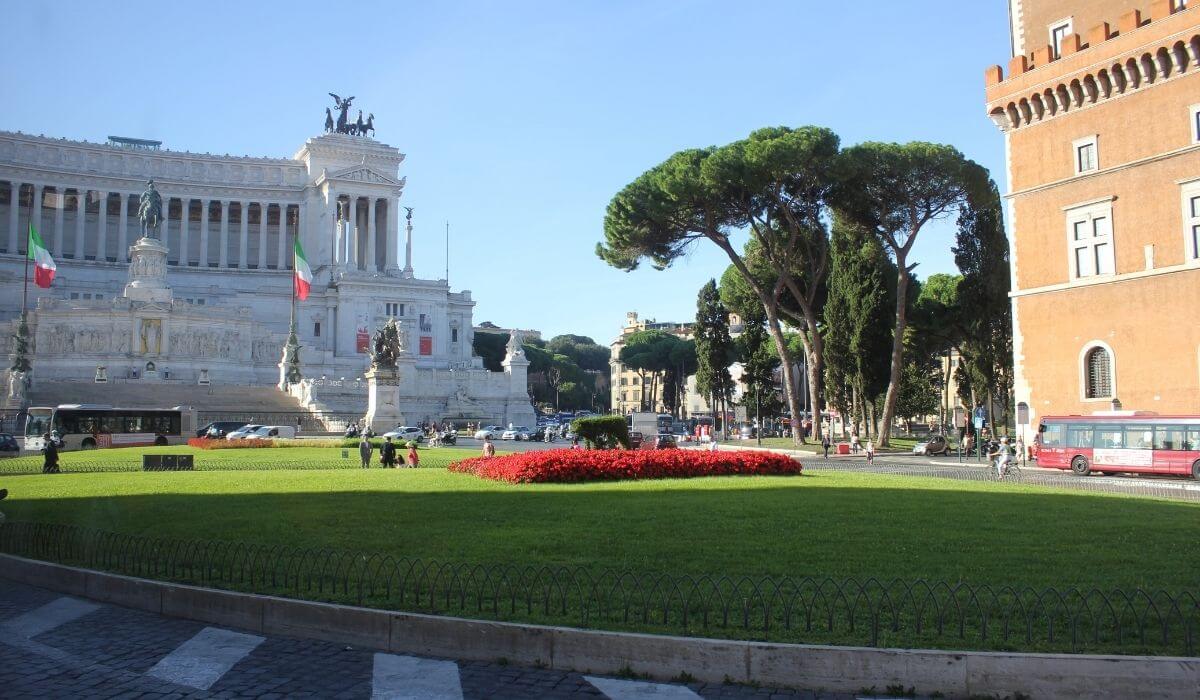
(387, 345)
(150, 211)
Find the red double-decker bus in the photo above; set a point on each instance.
(1136, 442)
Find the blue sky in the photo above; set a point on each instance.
(520, 120)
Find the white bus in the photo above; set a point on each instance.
(91, 426)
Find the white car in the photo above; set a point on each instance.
(243, 432)
(406, 433)
(267, 432)
(489, 431)
(518, 432)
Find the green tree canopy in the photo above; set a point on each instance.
(775, 184)
(582, 350)
(895, 191)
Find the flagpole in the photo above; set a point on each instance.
(292, 326)
(25, 289)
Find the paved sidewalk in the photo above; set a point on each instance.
(54, 646)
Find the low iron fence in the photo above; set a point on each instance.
(873, 612)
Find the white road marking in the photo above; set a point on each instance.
(202, 660)
(49, 616)
(618, 689)
(410, 678)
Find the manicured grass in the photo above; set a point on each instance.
(828, 524)
(130, 458)
(898, 445)
(542, 549)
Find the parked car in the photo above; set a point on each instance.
(242, 432)
(268, 432)
(747, 432)
(517, 432)
(489, 431)
(665, 441)
(935, 445)
(635, 439)
(9, 447)
(219, 429)
(406, 433)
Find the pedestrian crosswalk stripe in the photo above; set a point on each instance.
(618, 689)
(202, 660)
(412, 678)
(47, 617)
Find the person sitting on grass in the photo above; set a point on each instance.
(413, 459)
(489, 450)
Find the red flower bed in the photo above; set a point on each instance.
(613, 465)
(222, 444)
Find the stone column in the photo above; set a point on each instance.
(243, 233)
(81, 198)
(262, 235)
(281, 241)
(331, 215)
(36, 215)
(14, 210)
(60, 201)
(204, 203)
(393, 234)
(184, 206)
(353, 228)
(408, 268)
(123, 230)
(102, 227)
(371, 266)
(223, 257)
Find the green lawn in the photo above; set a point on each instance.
(824, 524)
(898, 445)
(130, 458)
(834, 524)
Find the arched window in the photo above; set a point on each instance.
(1098, 374)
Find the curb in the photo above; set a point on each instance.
(839, 669)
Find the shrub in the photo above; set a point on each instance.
(602, 432)
(613, 465)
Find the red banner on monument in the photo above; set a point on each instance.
(426, 345)
(362, 340)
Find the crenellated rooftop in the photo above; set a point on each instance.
(1139, 51)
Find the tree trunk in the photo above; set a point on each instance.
(785, 360)
(893, 390)
(870, 406)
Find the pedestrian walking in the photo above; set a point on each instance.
(854, 445)
(870, 452)
(825, 443)
(50, 455)
(364, 452)
(413, 459)
(387, 453)
(489, 450)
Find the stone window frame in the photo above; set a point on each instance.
(1089, 212)
(1067, 23)
(1084, 355)
(1078, 145)
(1194, 122)
(1190, 211)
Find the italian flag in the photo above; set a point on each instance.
(303, 273)
(43, 264)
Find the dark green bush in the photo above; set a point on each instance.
(602, 432)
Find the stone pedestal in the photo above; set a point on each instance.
(383, 399)
(148, 272)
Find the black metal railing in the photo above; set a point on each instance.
(875, 612)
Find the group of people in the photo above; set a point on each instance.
(387, 454)
(856, 446)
